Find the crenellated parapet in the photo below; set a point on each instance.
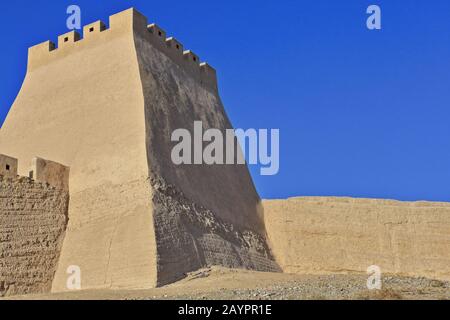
(126, 22)
(42, 171)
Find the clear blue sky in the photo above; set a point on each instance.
(361, 113)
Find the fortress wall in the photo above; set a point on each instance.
(204, 215)
(105, 105)
(81, 104)
(341, 235)
(33, 218)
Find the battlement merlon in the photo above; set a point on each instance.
(8, 166)
(93, 29)
(53, 173)
(129, 21)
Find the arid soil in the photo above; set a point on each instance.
(221, 283)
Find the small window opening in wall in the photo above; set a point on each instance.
(195, 59)
(91, 29)
(159, 33)
(178, 46)
(66, 39)
(8, 167)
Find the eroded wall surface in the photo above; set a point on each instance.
(339, 235)
(190, 236)
(33, 218)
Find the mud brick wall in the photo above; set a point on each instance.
(33, 219)
(320, 235)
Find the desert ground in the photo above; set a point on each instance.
(230, 284)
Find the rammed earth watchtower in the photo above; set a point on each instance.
(105, 105)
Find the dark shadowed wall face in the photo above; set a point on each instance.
(203, 214)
